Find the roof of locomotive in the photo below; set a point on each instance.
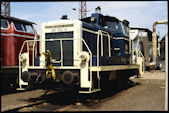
(17, 19)
(65, 21)
(88, 19)
(105, 18)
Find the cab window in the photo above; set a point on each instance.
(125, 29)
(113, 26)
(4, 24)
(28, 29)
(18, 26)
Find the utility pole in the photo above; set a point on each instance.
(5, 8)
(82, 9)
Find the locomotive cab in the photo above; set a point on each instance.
(117, 29)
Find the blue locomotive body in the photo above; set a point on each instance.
(119, 39)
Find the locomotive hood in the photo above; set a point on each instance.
(60, 22)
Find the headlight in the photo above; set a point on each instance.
(92, 19)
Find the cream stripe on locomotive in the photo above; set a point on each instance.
(18, 35)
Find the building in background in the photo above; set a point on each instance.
(142, 42)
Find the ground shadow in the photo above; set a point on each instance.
(66, 98)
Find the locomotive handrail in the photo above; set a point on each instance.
(61, 48)
(108, 39)
(142, 58)
(36, 40)
(34, 48)
(100, 32)
(27, 41)
(139, 54)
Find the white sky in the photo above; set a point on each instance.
(138, 13)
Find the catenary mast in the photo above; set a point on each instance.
(82, 9)
(5, 8)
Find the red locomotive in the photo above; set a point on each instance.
(14, 32)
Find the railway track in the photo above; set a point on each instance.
(15, 108)
(34, 101)
(45, 105)
(42, 106)
(53, 101)
(33, 107)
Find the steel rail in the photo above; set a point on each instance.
(61, 108)
(22, 106)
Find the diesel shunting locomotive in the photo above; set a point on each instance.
(85, 54)
(14, 32)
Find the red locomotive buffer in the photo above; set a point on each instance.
(14, 32)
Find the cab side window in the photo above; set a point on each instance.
(28, 29)
(18, 26)
(113, 26)
(125, 29)
(4, 24)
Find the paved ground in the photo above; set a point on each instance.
(21, 98)
(147, 95)
(154, 74)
